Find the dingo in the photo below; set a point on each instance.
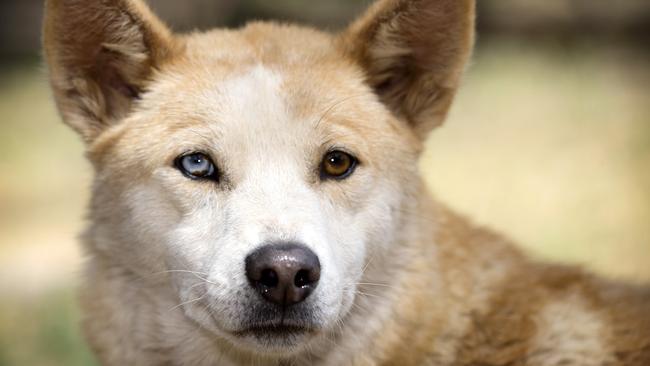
(257, 201)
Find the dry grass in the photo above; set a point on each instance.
(549, 146)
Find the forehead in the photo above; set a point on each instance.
(266, 88)
(301, 64)
(263, 77)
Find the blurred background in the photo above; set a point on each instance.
(548, 142)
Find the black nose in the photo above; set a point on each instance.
(285, 274)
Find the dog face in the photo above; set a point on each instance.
(259, 170)
(261, 141)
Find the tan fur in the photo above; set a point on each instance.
(440, 291)
(408, 47)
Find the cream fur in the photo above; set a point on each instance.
(404, 280)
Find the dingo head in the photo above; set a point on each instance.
(261, 168)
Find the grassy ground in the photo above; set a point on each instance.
(550, 146)
(42, 331)
(42, 193)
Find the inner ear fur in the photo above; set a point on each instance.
(100, 56)
(413, 53)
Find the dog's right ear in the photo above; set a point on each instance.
(100, 56)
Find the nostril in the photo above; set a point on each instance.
(284, 274)
(269, 278)
(302, 278)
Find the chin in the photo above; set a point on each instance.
(268, 330)
(283, 340)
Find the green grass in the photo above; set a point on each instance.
(42, 193)
(42, 331)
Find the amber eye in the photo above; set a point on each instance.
(337, 165)
(197, 166)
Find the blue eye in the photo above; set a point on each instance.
(197, 166)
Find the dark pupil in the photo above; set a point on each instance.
(337, 160)
(338, 163)
(196, 160)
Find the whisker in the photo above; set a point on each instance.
(195, 285)
(188, 302)
(367, 294)
(363, 271)
(179, 270)
(195, 273)
(331, 108)
(199, 134)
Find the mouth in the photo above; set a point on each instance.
(276, 337)
(275, 331)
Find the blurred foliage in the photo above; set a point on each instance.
(562, 20)
(41, 200)
(42, 332)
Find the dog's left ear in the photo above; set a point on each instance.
(414, 53)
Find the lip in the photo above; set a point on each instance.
(280, 331)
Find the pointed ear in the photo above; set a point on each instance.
(414, 53)
(100, 55)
